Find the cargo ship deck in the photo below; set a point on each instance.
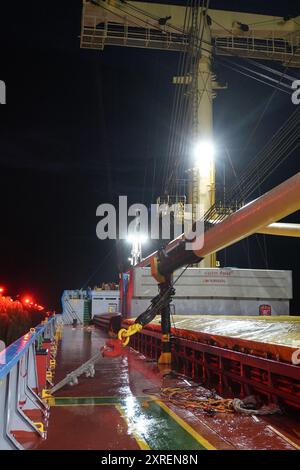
(119, 409)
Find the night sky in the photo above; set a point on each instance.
(82, 127)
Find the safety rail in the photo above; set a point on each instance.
(286, 50)
(97, 34)
(24, 369)
(112, 34)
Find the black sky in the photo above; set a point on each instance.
(82, 127)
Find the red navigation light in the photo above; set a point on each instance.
(2, 289)
(29, 301)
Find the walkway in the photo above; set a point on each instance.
(116, 411)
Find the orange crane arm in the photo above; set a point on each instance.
(272, 206)
(276, 204)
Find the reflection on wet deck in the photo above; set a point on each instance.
(115, 409)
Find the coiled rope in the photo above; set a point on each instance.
(209, 402)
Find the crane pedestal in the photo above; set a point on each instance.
(165, 356)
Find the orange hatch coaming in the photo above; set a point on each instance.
(256, 348)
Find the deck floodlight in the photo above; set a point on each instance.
(204, 153)
(137, 238)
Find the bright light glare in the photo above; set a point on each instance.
(27, 300)
(137, 237)
(204, 152)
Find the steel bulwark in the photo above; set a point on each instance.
(231, 373)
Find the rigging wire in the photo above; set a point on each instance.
(274, 93)
(193, 54)
(260, 77)
(288, 147)
(263, 114)
(246, 241)
(259, 121)
(262, 172)
(108, 254)
(179, 122)
(235, 69)
(280, 147)
(190, 120)
(263, 76)
(177, 106)
(176, 100)
(216, 48)
(252, 186)
(180, 30)
(263, 249)
(279, 138)
(276, 72)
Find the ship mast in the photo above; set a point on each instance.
(162, 27)
(202, 174)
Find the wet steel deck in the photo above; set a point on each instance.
(114, 411)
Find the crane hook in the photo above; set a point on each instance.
(112, 348)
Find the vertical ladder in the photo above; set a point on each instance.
(87, 312)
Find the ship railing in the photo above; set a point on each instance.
(23, 414)
(272, 48)
(98, 35)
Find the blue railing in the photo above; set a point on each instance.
(10, 356)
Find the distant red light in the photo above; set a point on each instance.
(27, 300)
(2, 289)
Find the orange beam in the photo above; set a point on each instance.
(255, 217)
(276, 204)
(280, 229)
